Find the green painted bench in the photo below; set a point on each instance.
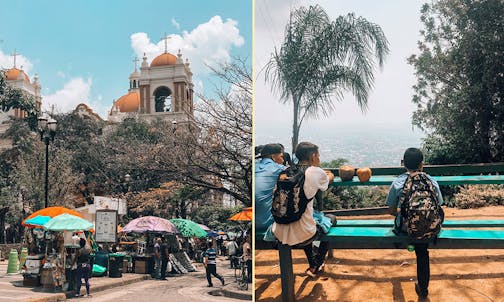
(377, 234)
(446, 224)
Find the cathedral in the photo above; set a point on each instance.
(16, 77)
(162, 89)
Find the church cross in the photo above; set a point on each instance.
(14, 54)
(165, 38)
(136, 60)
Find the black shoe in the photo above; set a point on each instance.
(210, 285)
(421, 293)
(222, 281)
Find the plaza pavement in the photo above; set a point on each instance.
(12, 289)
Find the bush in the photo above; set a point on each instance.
(355, 197)
(477, 196)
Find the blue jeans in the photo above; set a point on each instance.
(157, 263)
(83, 271)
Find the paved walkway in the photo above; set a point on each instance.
(12, 289)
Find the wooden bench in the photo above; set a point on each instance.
(377, 234)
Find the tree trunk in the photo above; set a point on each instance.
(3, 211)
(295, 128)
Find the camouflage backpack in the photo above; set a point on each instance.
(421, 213)
(289, 200)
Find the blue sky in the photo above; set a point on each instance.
(83, 51)
(389, 102)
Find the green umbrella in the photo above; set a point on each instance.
(188, 228)
(67, 222)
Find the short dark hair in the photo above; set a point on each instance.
(304, 150)
(413, 157)
(82, 242)
(257, 151)
(271, 149)
(287, 159)
(210, 244)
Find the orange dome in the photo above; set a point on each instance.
(164, 59)
(129, 102)
(13, 73)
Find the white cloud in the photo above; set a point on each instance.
(175, 23)
(7, 62)
(209, 43)
(74, 92)
(60, 74)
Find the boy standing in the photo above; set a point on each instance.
(413, 162)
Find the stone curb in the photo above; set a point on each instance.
(58, 297)
(236, 295)
(119, 282)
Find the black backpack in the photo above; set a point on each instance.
(421, 214)
(289, 200)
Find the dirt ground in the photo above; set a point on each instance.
(390, 275)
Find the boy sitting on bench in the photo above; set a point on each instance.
(415, 199)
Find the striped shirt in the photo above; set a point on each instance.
(210, 253)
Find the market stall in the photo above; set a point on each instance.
(149, 227)
(51, 239)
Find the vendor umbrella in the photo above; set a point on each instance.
(212, 234)
(244, 215)
(51, 212)
(150, 224)
(67, 222)
(189, 228)
(37, 221)
(204, 227)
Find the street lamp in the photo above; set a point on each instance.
(47, 129)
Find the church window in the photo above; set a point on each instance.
(162, 98)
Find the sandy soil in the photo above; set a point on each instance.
(390, 275)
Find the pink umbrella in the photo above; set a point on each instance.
(150, 224)
(204, 227)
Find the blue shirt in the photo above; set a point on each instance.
(266, 175)
(210, 253)
(396, 190)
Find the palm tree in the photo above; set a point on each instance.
(321, 59)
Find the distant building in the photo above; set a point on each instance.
(161, 90)
(17, 78)
(85, 111)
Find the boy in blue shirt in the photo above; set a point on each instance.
(211, 265)
(413, 162)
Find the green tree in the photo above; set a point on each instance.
(321, 59)
(460, 81)
(218, 154)
(335, 163)
(216, 217)
(11, 97)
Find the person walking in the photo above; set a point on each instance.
(83, 268)
(211, 265)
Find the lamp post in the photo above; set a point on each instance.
(47, 129)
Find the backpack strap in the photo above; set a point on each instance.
(405, 195)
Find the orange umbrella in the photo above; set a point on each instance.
(244, 215)
(52, 212)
